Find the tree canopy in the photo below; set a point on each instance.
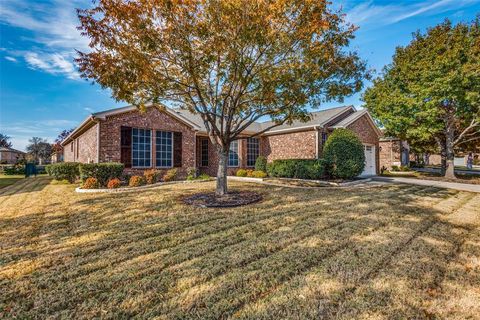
(431, 90)
(5, 141)
(39, 149)
(231, 61)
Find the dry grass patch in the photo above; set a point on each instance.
(395, 251)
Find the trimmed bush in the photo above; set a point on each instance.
(91, 183)
(152, 176)
(192, 173)
(13, 170)
(344, 154)
(136, 181)
(241, 173)
(259, 174)
(64, 171)
(297, 168)
(203, 176)
(101, 171)
(261, 164)
(170, 175)
(114, 183)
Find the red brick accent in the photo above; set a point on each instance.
(295, 145)
(152, 119)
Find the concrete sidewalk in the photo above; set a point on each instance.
(437, 170)
(431, 183)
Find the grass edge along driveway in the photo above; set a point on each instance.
(395, 251)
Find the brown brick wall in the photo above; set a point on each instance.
(152, 119)
(84, 147)
(390, 153)
(295, 145)
(367, 134)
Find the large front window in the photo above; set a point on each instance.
(164, 149)
(141, 148)
(233, 154)
(252, 151)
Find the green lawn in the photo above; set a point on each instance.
(385, 252)
(8, 180)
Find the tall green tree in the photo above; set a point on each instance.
(230, 61)
(431, 90)
(39, 149)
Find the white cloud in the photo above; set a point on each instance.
(21, 131)
(53, 26)
(54, 63)
(12, 59)
(88, 109)
(379, 13)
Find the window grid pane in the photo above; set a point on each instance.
(164, 149)
(252, 151)
(233, 154)
(204, 152)
(141, 146)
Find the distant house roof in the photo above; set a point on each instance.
(11, 150)
(317, 119)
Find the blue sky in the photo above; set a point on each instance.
(42, 94)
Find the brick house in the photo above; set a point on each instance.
(164, 138)
(10, 155)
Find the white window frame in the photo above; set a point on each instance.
(171, 157)
(238, 157)
(151, 160)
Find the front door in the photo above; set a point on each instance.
(370, 163)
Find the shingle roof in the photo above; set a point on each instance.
(318, 118)
(10, 149)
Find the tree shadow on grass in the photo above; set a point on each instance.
(129, 255)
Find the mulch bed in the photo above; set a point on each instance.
(232, 199)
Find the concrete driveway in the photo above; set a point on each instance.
(431, 183)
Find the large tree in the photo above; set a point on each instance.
(56, 146)
(230, 61)
(39, 149)
(5, 141)
(431, 90)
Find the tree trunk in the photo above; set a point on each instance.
(222, 172)
(450, 155)
(443, 154)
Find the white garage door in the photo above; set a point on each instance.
(370, 164)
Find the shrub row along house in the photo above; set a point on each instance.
(166, 138)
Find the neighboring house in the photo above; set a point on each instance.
(57, 156)
(393, 152)
(10, 155)
(164, 138)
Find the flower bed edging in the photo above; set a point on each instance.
(321, 182)
(130, 189)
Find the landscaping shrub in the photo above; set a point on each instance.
(203, 176)
(64, 171)
(114, 183)
(91, 183)
(152, 176)
(241, 173)
(297, 168)
(192, 173)
(136, 181)
(395, 168)
(13, 170)
(170, 175)
(261, 164)
(101, 171)
(344, 154)
(259, 174)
